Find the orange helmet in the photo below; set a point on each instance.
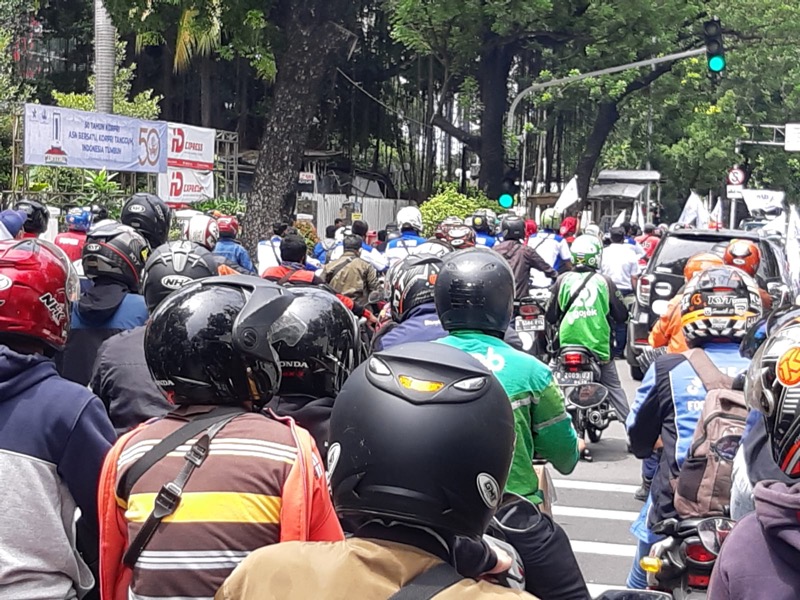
(743, 254)
(700, 262)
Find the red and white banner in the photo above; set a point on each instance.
(185, 186)
(191, 147)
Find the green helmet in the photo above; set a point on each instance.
(550, 219)
(586, 251)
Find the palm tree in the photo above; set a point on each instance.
(105, 53)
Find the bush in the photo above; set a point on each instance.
(449, 202)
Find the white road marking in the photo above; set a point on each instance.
(603, 548)
(595, 589)
(595, 486)
(594, 513)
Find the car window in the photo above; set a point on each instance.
(769, 269)
(673, 252)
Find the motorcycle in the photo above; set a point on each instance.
(577, 371)
(683, 561)
(530, 324)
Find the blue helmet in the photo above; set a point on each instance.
(79, 219)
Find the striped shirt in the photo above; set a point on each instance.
(230, 506)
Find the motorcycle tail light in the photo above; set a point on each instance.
(643, 289)
(573, 359)
(698, 581)
(529, 310)
(698, 553)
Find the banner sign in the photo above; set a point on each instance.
(191, 147)
(62, 137)
(763, 199)
(185, 186)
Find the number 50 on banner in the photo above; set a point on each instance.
(149, 146)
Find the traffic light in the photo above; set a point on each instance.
(508, 190)
(715, 51)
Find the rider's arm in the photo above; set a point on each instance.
(534, 261)
(566, 257)
(663, 330)
(244, 261)
(553, 314)
(646, 416)
(554, 436)
(616, 307)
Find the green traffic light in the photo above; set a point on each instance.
(506, 201)
(716, 64)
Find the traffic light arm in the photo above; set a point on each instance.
(537, 87)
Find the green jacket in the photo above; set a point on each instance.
(541, 421)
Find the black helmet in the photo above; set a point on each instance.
(512, 228)
(150, 216)
(99, 213)
(171, 267)
(649, 228)
(319, 344)
(391, 457)
(766, 326)
(210, 342)
(116, 252)
(410, 282)
(38, 216)
(771, 386)
(475, 290)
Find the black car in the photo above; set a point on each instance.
(663, 277)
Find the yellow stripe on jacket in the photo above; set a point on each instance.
(210, 507)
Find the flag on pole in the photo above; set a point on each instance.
(703, 216)
(716, 216)
(691, 210)
(793, 248)
(568, 197)
(621, 218)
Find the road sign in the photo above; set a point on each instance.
(735, 192)
(791, 141)
(736, 176)
(305, 177)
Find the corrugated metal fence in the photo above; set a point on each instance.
(377, 212)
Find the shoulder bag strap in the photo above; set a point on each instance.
(168, 444)
(287, 276)
(573, 298)
(429, 583)
(169, 496)
(707, 371)
(334, 272)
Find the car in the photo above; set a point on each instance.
(662, 279)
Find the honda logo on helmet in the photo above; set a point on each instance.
(174, 282)
(293, 364)
(136, 208)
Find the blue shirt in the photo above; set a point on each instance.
(233, 252)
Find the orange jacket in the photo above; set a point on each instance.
(306, 512)
(668, 330)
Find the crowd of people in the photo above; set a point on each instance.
(178, 422)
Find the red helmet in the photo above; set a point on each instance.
(743, 254)
(446, 225)
(228, 226)
(33, 292)
(461, 237)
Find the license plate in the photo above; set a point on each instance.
(536, 324)
(580, 378)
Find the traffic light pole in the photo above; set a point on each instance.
(537, 87)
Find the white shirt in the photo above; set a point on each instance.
(620, 263)
(371, 255)
(268, 254)
(554, 249)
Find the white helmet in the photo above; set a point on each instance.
(203, 230)
(409, 216)
(594, 230)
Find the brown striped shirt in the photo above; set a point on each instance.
(230, 506)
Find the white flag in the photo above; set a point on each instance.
(760, 200)
(691, 210)
(703, 216)
(568, 197)
(716, 215)
(793, 248)
(620, 219)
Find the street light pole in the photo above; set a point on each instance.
(537, 87)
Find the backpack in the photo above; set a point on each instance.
(703, 486)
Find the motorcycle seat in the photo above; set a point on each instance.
(688, 526)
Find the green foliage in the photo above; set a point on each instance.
(449, 202)
(100, 186)
(309, 233)
(227, 206)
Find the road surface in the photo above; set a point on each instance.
(595, 505)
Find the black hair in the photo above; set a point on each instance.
(360, 228)
(352, 242)
(293, 249)
(330, 231)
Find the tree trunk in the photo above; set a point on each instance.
(206, 91)
(607, 117)
(167, 59)
(313, 43)
(493, 70)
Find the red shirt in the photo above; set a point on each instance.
(71, 243)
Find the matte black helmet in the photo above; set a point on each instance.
(319, 344)
(391, 458)
(38, 216)
(171, 267)
(115, 252)
(512, 228)
(99, 213)
(211, 343)
(150, 216)
(410, 282)
(475, 290)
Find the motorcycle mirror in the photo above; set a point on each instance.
(588, 395)
(712, 532)
(739, 381)
(633, 595)
(375, 297)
